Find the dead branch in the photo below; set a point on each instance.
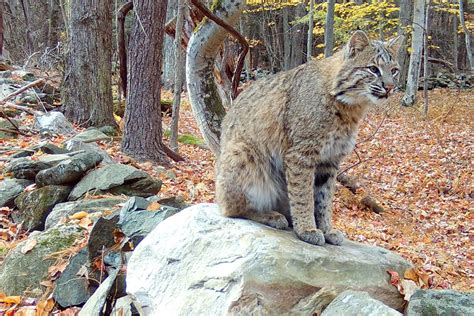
(7, 130)
(176, 157)
(122, 52)
(442, 62)
(22, 108)
(17, 92)
(233, 32)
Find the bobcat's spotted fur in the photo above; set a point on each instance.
(284, 138)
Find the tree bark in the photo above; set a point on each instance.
(169, 53)
(405, 17)
(309, 45)
(467, 36)
(329, 30)
(202, 50)
(286, 39)
(142, 137)
(425, 60)
(87, 85)
(121, 44)
(178, 80)
(416, 50)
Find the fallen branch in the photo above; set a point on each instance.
(17, 92)
(22, 108)
(176, 157)
(7, 130)
(233, 32)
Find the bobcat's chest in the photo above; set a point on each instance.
(337, 145)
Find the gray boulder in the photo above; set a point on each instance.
(22, 272)
(236, 266)
(69, 171)
(357, 303)
(90, 135)
(49, 148)
(34, 206)
(102, 235)
(10, 189)
(115, 178)
(136, 222)
(440, 303)
(90, 206)
(73, 288)
(25, 168)
(54, 122)
(77, 145)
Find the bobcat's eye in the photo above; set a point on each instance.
(395, 71)
(375, 70)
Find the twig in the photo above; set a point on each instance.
(233, 32)
(7, 130)
(22, 108)
(176, 157)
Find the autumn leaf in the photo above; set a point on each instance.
(79, 215)
(153, 206)
(9, 299)
(30, 244)
(44, 307)
(394, 278)
(409, 288)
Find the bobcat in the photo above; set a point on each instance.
(285, 136)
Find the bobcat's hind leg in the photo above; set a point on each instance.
(324, 181)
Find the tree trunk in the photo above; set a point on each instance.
(455, 43)
(178, 80)
(329, 30)
(1, 27)
(309, 45)
(405, 16)
(87, 85)
(169, 49)
(298, 42)
(425, 60)
(416, 50)
(467, 36)
(202, 50)
(142, 137)
(286, 39)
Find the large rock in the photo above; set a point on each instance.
(117, 177)
(75, 286)
(7, 125)
(236, 266)
(76, 145)
(22, 272)
(89, 206)
(357, 303)
(49, 148)
(34, 206)
(69, 171)
(136, 222)
(10, 189)
(54, 122)
(440, 303)
(90, 135)
(25, 168)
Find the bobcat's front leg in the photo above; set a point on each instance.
(300, 178)
(324, 181)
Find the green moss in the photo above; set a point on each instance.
(188, 139)
(3, 252)
(56, 239)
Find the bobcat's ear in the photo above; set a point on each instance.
(357, 43)
(395, 43)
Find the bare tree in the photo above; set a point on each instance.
(416, 47)
(467, 35)
(309, 45)
(202, 50)
(406, 19)
(142, 137)
(425, 59)
(179, 69)
(329, 30)
(87, 84)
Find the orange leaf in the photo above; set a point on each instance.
(79, 215)
(411, 274)
(44, 307)
(394, 277)
(153, 206)
(10, 299)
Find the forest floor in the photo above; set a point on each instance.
(420, 170)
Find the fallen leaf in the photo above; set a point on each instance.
(411, 274)
(153, 206)
(409, 287)
(85, 222)
(10, 299)
(44, 307)
(47, 283)
(394, 277)
(79, 215)
(30, 244)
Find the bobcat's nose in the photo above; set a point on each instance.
(389, 87)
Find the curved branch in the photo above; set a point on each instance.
(202, 50)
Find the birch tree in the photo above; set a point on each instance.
(467, 35)
(416, 50)
(201, 52)
(178, 79)
(329, 29)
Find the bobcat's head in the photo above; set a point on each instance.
(369, 72)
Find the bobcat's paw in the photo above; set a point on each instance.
(334, 237)
(313, 236)
(277, 221)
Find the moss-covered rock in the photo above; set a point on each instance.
(23, 272)
(34, 206)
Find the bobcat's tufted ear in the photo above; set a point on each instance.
(395, 43)
(357, 43)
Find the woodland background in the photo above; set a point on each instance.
(407, 187)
